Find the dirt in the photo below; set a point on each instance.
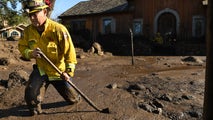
(139, 88)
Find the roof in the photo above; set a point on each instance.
(20, 27)
(96, 7)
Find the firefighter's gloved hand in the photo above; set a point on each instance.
(36, 53)
(65, 76)
(70, 71)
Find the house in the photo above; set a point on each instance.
(180, 23)
(12, 33)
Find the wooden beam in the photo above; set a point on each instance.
(208, 95)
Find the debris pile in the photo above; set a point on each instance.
(96, 48)
(152, 98)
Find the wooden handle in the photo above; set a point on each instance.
(50, 62)
(73, 85)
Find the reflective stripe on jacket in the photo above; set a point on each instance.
(55, 42)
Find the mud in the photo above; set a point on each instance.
(154, 88)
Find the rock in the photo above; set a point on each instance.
(82, 56)
(157, 103)
(146, 107)
(15, 79)
(154, 74)
(4, 61)
(96, 48)
(23, 74)
(113, 86)
(187, 97)
(199, 61)
(194, 74)
(158, 111)
(108, 54)
(189, 59)
(137, 87)
(91, 50)
(195, 114)
(175, 115)
(166, 97)
(100, 53)
(192, 59)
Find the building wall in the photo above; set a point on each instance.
(8, 33)
(123, 21)
(185, 9)
(149, 11)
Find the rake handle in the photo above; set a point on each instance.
(79, 91)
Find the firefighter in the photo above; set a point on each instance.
(54, 40)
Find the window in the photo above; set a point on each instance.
(198, 26)
(4, 34)
(137, 26)
(14, 34)
(78, 25)
(108, 26)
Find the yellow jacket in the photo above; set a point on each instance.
(55, 42)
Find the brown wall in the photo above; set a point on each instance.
(123, 22)
(186, 9)
(147, 10)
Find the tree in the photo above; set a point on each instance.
(14, 17)
(9, 13)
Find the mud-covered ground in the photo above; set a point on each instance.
(154, 88)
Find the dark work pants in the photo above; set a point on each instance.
(37, 86)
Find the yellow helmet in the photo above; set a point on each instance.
(32, 6)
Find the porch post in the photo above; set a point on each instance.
(208, 95)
